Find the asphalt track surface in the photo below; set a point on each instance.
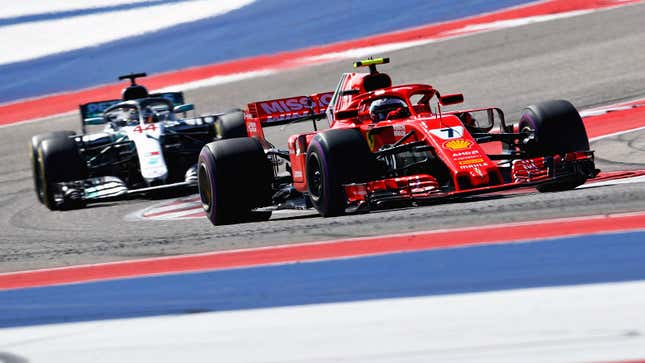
(592, 60)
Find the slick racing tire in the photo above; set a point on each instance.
(230, 125)
(336, 157)
(35, 142)
(235, 177)
(557, 128)
(59, 160)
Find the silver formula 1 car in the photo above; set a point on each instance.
(144, 146)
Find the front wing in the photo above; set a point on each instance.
(107, 188)
(425, 188)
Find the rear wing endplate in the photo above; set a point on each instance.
(284, 110)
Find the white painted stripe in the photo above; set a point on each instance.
(186, 214)
(176, 215)
(587, 323)
(353, 53)
(457, 33)
(637, 179)
(168, 208)
(12, 9)
(512, 23)
(62, 35)
(373, 50)
(46, 118)
(217, 80)
(616, 134)
(384, 48)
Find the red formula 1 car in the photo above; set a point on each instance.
(386, 145)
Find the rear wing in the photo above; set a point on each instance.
(92, 113)
(285, 110)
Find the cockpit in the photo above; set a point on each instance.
(136, 113)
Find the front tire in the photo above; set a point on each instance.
(557, 128)
(336, 157)
(59, 160)
(235, 177)
(35, 143)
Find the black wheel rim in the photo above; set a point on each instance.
(315, 177)
(205, 188)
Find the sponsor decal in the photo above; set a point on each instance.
(325, 99)
(448, 133)
(99, 107)
(398, 129)
(458, 144)
(471, 161)
(473, 166)
(466, 153)
(295, 104)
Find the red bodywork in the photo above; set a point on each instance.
(471, 169)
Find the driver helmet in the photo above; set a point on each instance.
(381, 108)
(149, 116)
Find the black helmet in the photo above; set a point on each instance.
(380, 108)
(134, 92)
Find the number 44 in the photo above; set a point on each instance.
(149, 127)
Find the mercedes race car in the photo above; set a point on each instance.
(386, 145)
(144, 146)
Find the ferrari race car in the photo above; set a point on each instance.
(386, 145)
(144, 147)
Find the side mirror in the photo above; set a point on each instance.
(183, 108)
(345, 114)
(452, 99)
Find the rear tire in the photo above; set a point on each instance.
(59, 160)
(337, 157)
(235, 176)
(35, 169)
(230, 125)
(557, 128)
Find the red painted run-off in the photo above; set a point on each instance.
(617, 119)
(65, 102)
(502, 233)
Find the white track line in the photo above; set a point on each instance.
(32, 40)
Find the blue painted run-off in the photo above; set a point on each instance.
(579, 260)
(264, 27)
